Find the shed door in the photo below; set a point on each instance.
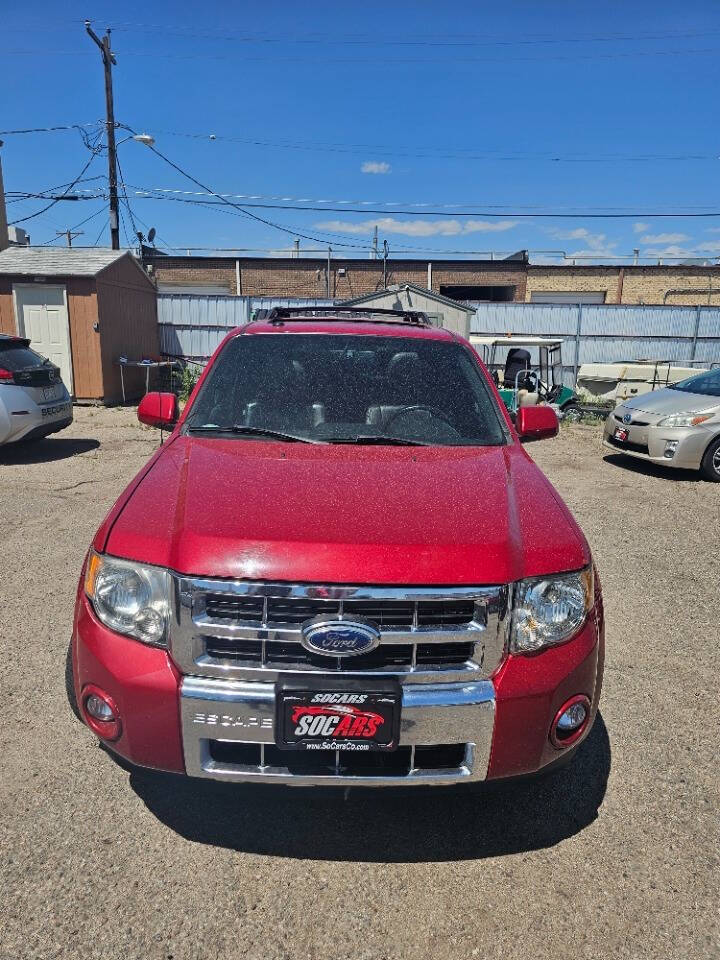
(42, 316)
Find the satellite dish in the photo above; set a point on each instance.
(151, 235)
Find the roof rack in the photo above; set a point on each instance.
(280, 315)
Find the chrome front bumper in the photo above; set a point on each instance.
(234, 711)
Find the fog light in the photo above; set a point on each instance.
(98, 708)
(100, 713)
(670, 448)
(572, 718)
(570, 722)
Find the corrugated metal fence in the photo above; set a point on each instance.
(192, 327)
(598, 333)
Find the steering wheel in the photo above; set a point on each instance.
(433, 411)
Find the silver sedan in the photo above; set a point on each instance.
(678, 426)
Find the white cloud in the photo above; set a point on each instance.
(713, 230)
(375, 166)
(596, 244)
(640, 227)
(710, 250)
(579, 234)
(664, 238)
(417, 228)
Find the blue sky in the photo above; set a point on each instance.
(400, 108)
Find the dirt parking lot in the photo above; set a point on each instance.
(616, 856)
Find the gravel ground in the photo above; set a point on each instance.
(617, 856)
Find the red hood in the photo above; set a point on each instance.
(340, 514)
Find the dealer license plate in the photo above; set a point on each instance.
(339, 718)
(621, 434)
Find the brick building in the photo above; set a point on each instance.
(477, 280)
(680, 284)
(349, 278)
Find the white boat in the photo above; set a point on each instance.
(616, 382)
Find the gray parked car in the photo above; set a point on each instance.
(33, 399)
(678, 426)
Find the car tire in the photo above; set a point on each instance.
(710, 466)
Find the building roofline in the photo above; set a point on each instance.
(399, 287)
(321, 261)
(136, 263)
(680, 267)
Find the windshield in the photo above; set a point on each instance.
(345, 389)
(707, 384)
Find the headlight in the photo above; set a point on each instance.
(129, 598)
(550, 610)
(690, 418)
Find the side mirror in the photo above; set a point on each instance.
(536, 423)
(158, 409)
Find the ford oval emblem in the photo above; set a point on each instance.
(627, 418)
(339, 638)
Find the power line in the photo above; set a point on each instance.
(229, 203)
(402, 61)
(454, 154)
(384, 60)
(490, 213)
(191, 32)
(386, 208)
(17, 196)
(102, 230)
(125, 196)
(75, 226)
(72, 126)
(392, 205)
(389, 150)
(52, 203)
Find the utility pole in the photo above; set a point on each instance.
(108, 63)
(69, 235)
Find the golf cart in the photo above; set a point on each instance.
(524, 380)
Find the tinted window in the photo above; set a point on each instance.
(337, 388)
(18, 357)
(707, 384)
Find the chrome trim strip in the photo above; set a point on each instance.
(291, 632)
(245, 713)
(212, 667)
(293, 591)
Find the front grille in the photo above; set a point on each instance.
(633, 423)
(386, 656)
(626, 445)
(371, 763)
(398, 614)
(252, 630)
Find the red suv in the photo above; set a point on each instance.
(341, 568)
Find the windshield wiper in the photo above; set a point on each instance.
(379, 439)
(242, 430)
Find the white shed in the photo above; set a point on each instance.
(441, 311)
